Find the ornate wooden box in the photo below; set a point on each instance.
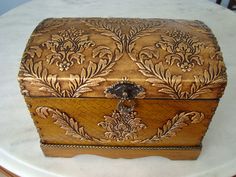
(122, 87)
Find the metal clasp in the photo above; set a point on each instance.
(126, 91)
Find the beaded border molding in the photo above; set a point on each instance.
(46, 145)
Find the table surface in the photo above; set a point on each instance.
(19, 141)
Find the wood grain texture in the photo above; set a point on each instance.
(89, 112)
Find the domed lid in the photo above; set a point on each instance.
(82, 57)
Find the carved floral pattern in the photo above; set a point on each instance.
(78, 84)
(125, 41)
(48, 25)
(69, 124)
(174, 125)
(121, 126)
(66, 47)
(160, 76)
(182, 48)
(33, 51)
(47, 82)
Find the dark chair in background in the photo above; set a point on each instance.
(231, 4)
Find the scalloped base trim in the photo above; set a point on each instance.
(171, 152)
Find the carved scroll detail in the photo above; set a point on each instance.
(125, 41)
(176, 47)
(90, 76)
(93, 74)
(66, 47)
(211, 77)
(182, 48)
(174, 125)
(48, 25)
(48, 82)
(120, 126)
(169, 84)
(69, 124)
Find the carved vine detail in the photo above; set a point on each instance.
(93, 74)
(33, 51)
(69, 124)
(48, 25)
(66, 47)
(89, 77)
(122, 126)
(169, 84)
(173, 126)
(213, 47)
(119, 127)
(48, 82)
(125, 41)
(182, 48)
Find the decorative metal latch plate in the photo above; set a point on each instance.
(126, 91)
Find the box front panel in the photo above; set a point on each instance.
(90, 121)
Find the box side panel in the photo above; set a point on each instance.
(97, 122)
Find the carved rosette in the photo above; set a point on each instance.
(122, 126)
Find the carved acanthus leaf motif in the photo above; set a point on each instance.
(69, 124)
(48, 25)
(66, 47)
(182, 48)
(161, 77)
(90, 76)
(171, 127)
(139, 30)
(122, 126)
(118, 128)
(125, 41)
(169, 84)
(108, 30)
(211, 78)
(211, 45)
(23, 90)
(35, 71)
(93, 74)
(33, 51)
